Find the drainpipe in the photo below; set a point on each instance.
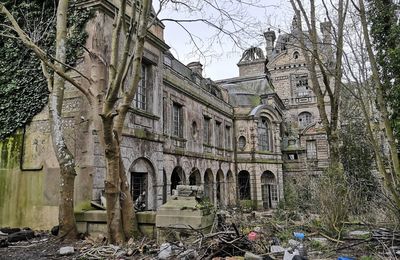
(22, 155)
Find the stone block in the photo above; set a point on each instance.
(81, 226)
(147, 230)
(66, 250)
(147, 217)
(97, 228)
(92, 216)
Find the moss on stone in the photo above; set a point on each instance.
(83, 206)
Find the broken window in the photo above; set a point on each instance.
(244, 185)
(139, 185)
(311, 148)
(140, 99)
(263, 135)
(292, 156)
(305, 118)
(177, 120)
(302, 87)
(269, 190)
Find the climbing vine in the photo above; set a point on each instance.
(23, 87)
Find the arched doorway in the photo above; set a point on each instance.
(142, 182)
(220, 187)
(195, 177)
(269, 190)
(209, 185)
(231, 192)
(177, 177)
(244, 185)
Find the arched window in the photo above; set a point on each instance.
(296, 55)
(305, 118)
(263, 135)
(242, 142)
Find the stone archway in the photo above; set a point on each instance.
(269, 190)
(195, 177)
(209, 185)
(143, 182)
(244, 185)
(231, 191)
(177, 178)
(220, 188)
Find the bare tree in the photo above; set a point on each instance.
(328, 89)
(366, 88)
(131, 25)
(56, 86)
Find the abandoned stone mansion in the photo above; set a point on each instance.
(240, 138)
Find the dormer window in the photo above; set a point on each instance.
(296, 55)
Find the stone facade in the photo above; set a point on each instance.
(237, 138)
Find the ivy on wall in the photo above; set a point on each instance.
(23, 87)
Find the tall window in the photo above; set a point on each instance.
(305, 118)
(138, 184)
(263, 135)
(228, 144)
(206, 130)
(302, 87)
(244, 185)
(140, 99)
(218, 134)
(177, 120)
(311, 149)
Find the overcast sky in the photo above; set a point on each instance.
(220, 62)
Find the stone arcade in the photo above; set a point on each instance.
(240, 139)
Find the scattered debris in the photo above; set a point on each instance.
(66, 250)
(22, 235)
(359, 234)
(277, 249)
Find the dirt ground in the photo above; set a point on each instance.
(44, 246)
(375, 243)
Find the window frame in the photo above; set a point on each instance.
(304, 115)
(264, 134)
(177, 120)
(228, 137)
(311, 153)
(206, 130)
(140, 99)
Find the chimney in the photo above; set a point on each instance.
(196, 67)
(270, 38)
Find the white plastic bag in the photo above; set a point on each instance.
(289, 256)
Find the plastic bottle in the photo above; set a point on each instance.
(301, 248)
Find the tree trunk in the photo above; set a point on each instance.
(129, 221)
(65, 158)
(112, 183)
